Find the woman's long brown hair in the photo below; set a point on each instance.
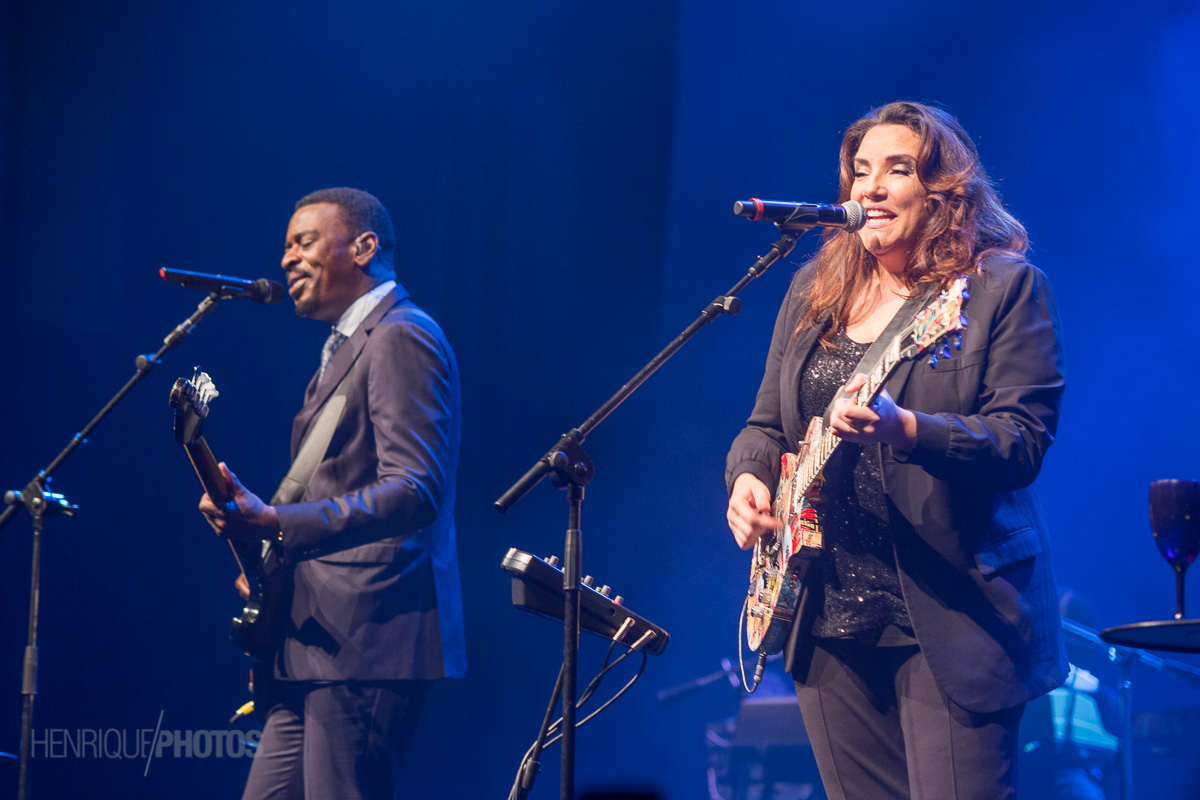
(967, 220)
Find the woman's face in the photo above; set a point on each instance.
(886, 183)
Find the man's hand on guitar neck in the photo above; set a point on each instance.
(245, 518)
(749, 512)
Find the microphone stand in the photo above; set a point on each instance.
(673, 693)
(571, 468)
(41, 503)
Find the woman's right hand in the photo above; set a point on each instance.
(749, 513)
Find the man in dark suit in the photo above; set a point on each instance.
(375, 611)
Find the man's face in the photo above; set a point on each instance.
(318, 257)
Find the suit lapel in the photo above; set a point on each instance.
(895, 384)
(316, 394)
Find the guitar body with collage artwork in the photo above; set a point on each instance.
(782, 559)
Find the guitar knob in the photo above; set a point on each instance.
(606, 590)
(588, 580)
(618, 600)
(552, 561)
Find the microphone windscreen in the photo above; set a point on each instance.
(856, 215)
(268, 292)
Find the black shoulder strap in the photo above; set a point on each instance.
(879, 347)
(903, 317)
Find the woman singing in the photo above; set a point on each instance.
(931, 616)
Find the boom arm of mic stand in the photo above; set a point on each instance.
(725, 304)
(144, 363)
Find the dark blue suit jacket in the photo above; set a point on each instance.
(970, 540)
(371, 544)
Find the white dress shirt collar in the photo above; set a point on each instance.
(361, 308)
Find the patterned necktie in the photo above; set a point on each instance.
(335, 340)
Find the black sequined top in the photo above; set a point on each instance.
(861, 599)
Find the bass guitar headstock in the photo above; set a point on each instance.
(190, 399)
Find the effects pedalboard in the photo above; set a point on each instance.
(537, 587)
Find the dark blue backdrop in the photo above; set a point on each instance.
(561, 177)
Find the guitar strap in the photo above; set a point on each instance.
(886, 339)
(312, 453)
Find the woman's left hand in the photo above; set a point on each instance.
(882, 421)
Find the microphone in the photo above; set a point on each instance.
(260, 291)
(850, 216)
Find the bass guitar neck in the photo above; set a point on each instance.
(208, 470)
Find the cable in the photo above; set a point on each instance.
(524, 780)
(594, 683)
(515, 792)
(750, 687)
(607, 703)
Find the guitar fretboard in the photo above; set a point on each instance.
(818, 453)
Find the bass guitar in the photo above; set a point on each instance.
(255, 630)
(782, 558)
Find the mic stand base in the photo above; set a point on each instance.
(572, 573)
(40, 504)
(29, 666)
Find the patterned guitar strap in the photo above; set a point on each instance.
(881, 345)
